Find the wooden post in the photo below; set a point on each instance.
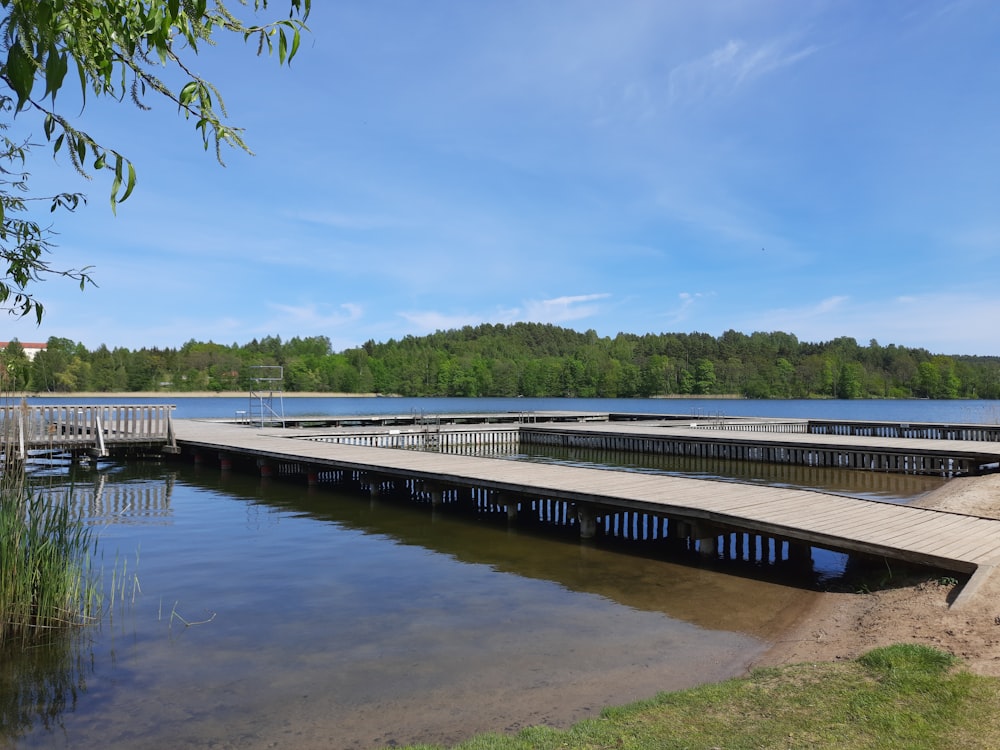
(707, 537)
(587, 517)
(437, 493)
(509, 502)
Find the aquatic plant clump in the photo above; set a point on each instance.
(46, 577)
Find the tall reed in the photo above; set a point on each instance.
(46, 578)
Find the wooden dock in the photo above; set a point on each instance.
(785, 441)
(94, 430)
(706, 513)
(939, 450)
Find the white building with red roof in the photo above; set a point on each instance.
(30, 348)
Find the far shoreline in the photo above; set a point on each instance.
(329, 394)
(192, 394)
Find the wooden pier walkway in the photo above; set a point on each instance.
(702, 509)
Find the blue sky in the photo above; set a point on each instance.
(822, 168)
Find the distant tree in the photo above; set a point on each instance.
(928, 380)
(785, 377)
(107, 371)
(16, 366)
(50, 367)
(704, 376)
(114, 48)
(849, 384)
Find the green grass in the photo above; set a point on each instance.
(904, 696)
(46, 580)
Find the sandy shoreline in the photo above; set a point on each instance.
(844, 626)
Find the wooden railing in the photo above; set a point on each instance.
(95, 428)
(982, 433)
(792, 426)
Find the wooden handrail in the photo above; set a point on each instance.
(95, 426)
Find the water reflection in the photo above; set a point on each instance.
(646, 581)
(118, 493)
(40, 684)
(346, 623)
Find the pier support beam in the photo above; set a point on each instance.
(799, 553)
(509, 502)
(707, 537)
(436, 492)
(372, 481)
(587, 517)
(225, 461)
(266, 468)
(466, 499)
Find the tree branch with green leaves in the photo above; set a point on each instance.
(116, 48)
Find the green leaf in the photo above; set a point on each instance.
(130, 185)
(187, 93)
(20, 71)
(56, 68)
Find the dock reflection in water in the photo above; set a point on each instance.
(333, 621)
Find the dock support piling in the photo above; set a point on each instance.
(588, 521)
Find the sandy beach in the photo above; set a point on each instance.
(844, 626)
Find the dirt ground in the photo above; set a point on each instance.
(844, 626)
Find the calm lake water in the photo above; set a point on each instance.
(914, 410)
(269, 614)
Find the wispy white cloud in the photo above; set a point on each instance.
(311, 317)
(946, 323)
(335, 220)
(686, 301)
(725, 69)
(563, 309)
(428, 321)
(828, 305)
(556, 310)
(816, 314)
(722, 218)
(975, 243)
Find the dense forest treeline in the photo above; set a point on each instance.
(523, 359)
